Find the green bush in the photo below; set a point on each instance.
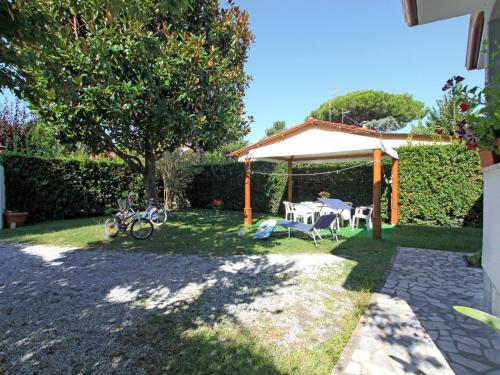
(65, 188)
(439, 185)
(226, 182)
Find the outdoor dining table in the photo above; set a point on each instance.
(341, 208)
(336, 206)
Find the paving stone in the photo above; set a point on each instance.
(444, 333)
(353, 368)
(469, 363)
(433, 334)
(493, 355)
(460, 370)
(436, 319)
(466, 340)
(483, 341)
(447, 346)
(417, 329)
(371, 368)
(496, 341)
(368, 343)
(360, 355)
(468, 349)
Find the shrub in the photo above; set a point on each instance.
(439, 185)
(65, 188)
(225, 181)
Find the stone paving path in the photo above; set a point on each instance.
(410, 326)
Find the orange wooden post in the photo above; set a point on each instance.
(395, 192)
(247, 211)
(290, 181)
(377, 192)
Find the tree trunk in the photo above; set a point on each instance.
(166, 193)
(149, 176)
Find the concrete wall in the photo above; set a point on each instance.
(491, 238)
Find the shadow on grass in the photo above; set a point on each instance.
(199, 334)
(161, 314)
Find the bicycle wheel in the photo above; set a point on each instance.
(157, 216)
(141, 229)
(111, 226)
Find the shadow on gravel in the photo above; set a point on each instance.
(110, 312)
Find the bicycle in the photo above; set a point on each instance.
(141, 228)
(156, 213)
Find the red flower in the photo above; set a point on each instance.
(471, 147)
(438, 131)
(464, 107)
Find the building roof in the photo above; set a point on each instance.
(317, 141)
(418, 12)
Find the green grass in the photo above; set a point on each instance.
(191, 346)
(200, 232)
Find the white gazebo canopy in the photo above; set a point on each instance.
(317, 141)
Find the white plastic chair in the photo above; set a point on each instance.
(288, 210)
(325, 210)
(362, 213)
(304, 212)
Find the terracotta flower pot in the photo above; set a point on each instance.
(488, 158)
(18, 218)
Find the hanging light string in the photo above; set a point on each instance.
(337, 171)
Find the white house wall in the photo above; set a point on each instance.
(491, 237)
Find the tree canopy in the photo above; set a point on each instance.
(276, 128)
(138, 78)
(368, 105)
(444, 116)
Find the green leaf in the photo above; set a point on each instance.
(479, 315)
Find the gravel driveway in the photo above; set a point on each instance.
(65, 311)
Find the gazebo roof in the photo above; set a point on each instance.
(316, 141)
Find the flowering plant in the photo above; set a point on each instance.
(324, 194)
(217, 204)
(480, 126)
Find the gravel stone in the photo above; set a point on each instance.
(66, 310)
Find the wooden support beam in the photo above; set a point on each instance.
(377, 193)
(247, 211)
(395, 192)
(290, 181)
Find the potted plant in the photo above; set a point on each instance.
(217, 205)
(14, 219)
(324, 194)
(480, 126)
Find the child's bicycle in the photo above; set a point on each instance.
(156, 212)
(141, 227)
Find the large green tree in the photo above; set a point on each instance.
(369, 105)
(444, 116)
(276, 128)
(137, 78)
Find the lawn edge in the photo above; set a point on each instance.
(355, 336)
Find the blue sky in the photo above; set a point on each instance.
(306, 52)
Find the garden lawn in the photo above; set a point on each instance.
(227, 346)
(200, 232)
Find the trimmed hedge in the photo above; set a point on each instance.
(226, 182)
(65, 188)
(439, 185)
